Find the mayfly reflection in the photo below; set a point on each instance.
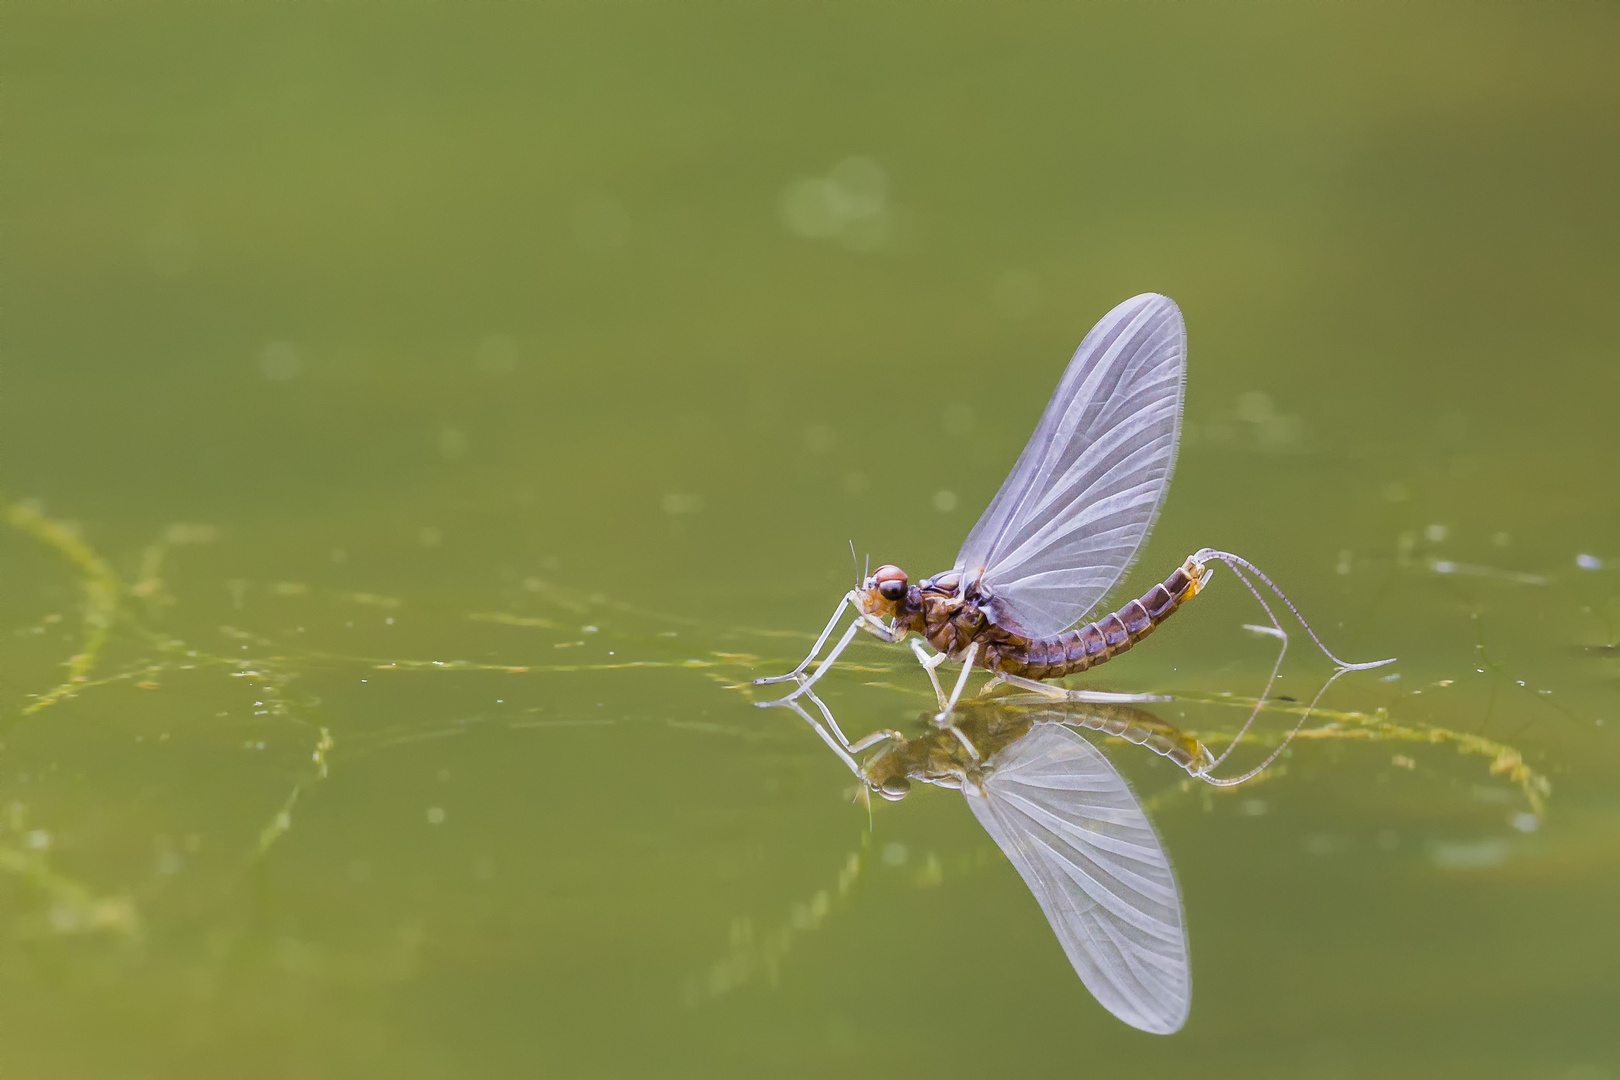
(1074, 830)
(1059, 535)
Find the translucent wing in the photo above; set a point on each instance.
(1072, 827)
(1068, 521)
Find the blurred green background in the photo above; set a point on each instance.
(417, 421)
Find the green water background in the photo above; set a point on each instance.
(419, 420)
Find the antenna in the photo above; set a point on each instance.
(857, 563)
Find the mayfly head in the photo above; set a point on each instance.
(894, 789)
(881, 593)
(886, 775)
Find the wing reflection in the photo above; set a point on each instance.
(1078, 836)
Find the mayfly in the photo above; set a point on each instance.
(1062, 531)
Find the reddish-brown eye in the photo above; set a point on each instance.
(890, 582)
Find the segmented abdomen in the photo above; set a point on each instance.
(1098, 642)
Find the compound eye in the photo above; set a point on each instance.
(895, 788)
(890, 582)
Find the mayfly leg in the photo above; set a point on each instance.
(1094, 697)
(838, 612)
(863, 621)
(826, 736)
(836, 739)
(961, 681)
(929, 663)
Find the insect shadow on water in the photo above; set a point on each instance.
(1070, 824)
(759, 952)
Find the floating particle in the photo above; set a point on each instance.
(1256, 407)
(280, 361)
(676, 504)
(849, 204)
(1469, 855)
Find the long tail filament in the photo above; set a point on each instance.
(1238, 566)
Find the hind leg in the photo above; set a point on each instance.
(1060, 693)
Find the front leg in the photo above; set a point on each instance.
(871, 624)
(849, 598)
(886, 631)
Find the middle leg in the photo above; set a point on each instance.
(929, 663)
(961, 681)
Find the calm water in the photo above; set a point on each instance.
(415, 425)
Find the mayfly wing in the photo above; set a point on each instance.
(1072, 827)
(1069, 519)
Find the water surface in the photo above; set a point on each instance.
(419, 426)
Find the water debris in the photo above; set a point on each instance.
(1446, 566)
(735, 731)
(753, 955)
(506, 619)
(71, 908)
(101, 593)
(1505, 761)
(849, 203)
(1588, 562)
(372, 599)
(1468, 855)
(517, 725)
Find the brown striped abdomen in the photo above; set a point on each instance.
(1098, 642)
